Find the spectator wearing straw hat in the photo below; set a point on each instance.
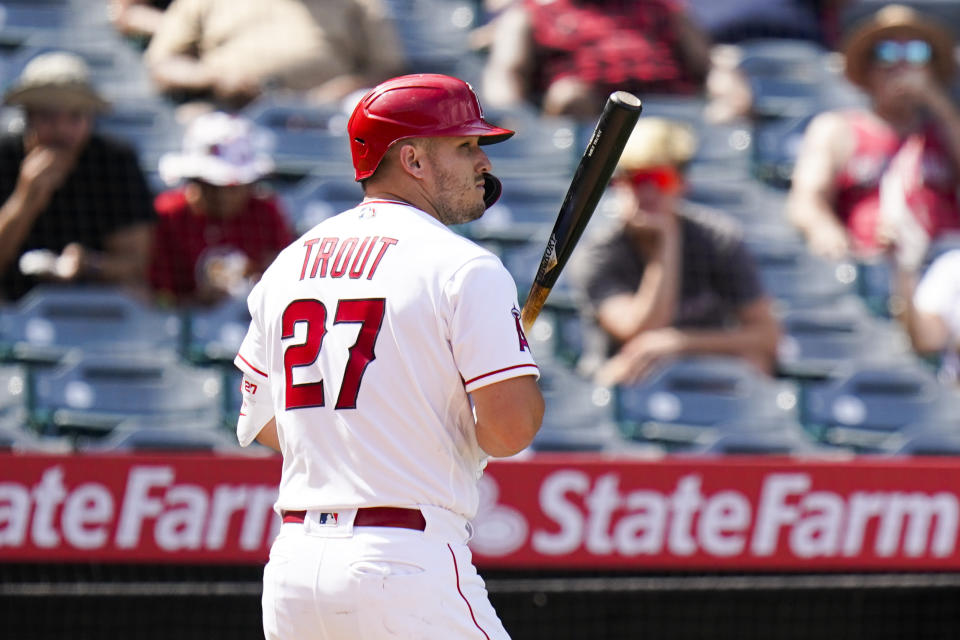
(76, 206)
(667, 279)
(218, 230)
(884, 178)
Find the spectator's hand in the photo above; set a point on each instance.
(829, 241)
(43, 171)
(235, 88)
(46, 265)
(915, 84)
(640, 355)
(646, 224)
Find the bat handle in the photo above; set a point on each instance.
(531, 308)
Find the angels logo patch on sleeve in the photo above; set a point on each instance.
(521, 336)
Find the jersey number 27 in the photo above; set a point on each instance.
(368, 312)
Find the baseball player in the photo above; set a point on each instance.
(385, 360)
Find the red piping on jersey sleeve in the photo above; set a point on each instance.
(255, 370)
(493, 373)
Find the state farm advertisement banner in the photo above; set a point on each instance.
(548, 511)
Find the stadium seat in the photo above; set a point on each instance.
(215, 334)
(797, 278)
(317, 197)
(434, 34)
(90, 394)
(934, 438)
(14, 395)
(776, 146)
(15, 438)
(759, 437)
(302, 138)
(686, 398)
(579, 416)
(180, 437)
(815, 341)
(543, 147)
(861, 405)
(51, 320)
(526, 209)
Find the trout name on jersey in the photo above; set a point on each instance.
(335, 257)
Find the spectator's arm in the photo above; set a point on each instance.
(653, 304)
(172, 56)
(693, 46)
(812, 192)
(125, 257)
(755, 338)
(927, 330)
(134, 17)
(507, 72)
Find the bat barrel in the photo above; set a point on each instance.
(616, 122)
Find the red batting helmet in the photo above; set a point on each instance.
(415, 106)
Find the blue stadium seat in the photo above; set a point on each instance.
(797, 278)
(302, 138)
(543, 147)
(16, 438)
(935, 438)
(579, 416)
(684, 399)
(14, 395)
(317, 197)
(216, 333)
(760, 437)
(90, 394)
(816, 341)
(51, 320)
(862, 405)
(527, 209)
(434, 34)
(178, 436)
(776, 146)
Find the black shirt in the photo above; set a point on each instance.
(106, 192)
(717, 276)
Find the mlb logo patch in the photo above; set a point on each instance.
(328, 519)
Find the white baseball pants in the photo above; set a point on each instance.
(334, 581)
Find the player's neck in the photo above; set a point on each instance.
(395, 195)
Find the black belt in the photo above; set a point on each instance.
(373, 517)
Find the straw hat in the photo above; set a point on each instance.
(897, 21)
(220, 149)
(658, 142)
(56, 79)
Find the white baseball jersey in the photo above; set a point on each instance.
(367, 333)
(939, 290)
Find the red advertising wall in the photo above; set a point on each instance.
(546, 511)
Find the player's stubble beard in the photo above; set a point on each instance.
(458, 202)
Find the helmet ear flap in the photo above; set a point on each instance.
(492, 188)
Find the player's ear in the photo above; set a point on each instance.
(410, 158)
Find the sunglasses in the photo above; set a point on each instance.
(890, 52)
(666, 179)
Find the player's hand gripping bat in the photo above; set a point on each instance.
(596, 166)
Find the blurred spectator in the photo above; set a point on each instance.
(884, 178)
(567, 55)
(668, 279)
(76, 206)
(231, 51)
(731, 23)
(930, 311)
(218, 231)
(136, 18)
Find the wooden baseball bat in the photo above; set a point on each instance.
(600, 158)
